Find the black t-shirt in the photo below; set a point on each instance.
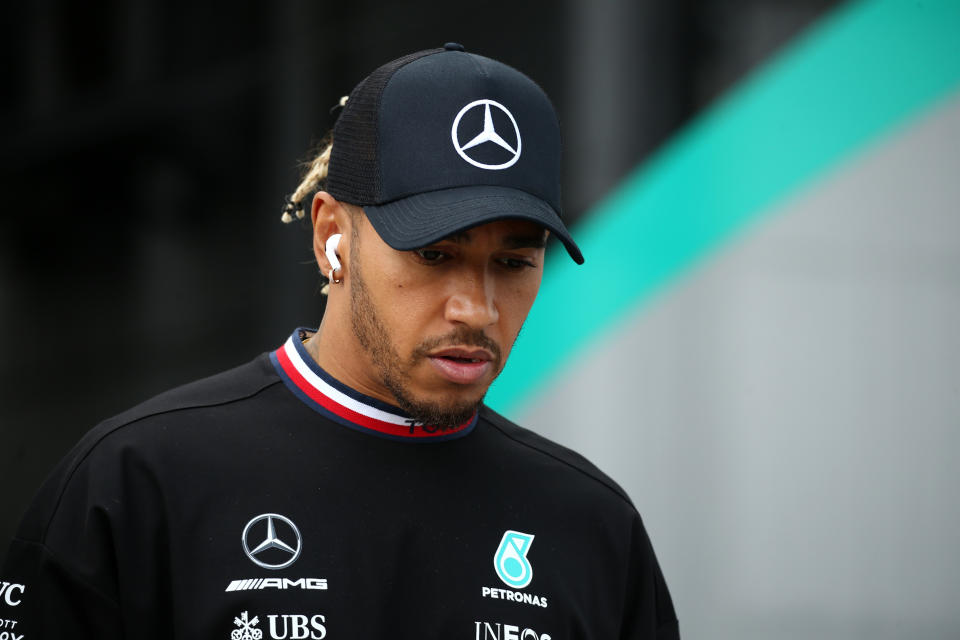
(271, 501)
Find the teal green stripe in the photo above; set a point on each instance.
(858, 73)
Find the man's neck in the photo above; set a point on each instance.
(335, 352)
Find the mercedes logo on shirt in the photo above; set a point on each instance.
(272, 541)
(478, 143)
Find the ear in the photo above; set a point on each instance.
(329, 216)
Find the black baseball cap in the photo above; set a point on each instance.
(442, 140)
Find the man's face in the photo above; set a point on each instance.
(438, 323)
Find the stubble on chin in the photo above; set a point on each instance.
(374, 338)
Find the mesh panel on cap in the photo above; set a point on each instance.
(354, 174)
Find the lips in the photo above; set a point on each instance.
(462, 365)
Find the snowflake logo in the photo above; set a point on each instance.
(246, 630)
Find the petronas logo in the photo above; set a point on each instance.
(510, 560)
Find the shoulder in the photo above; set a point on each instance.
(226, 394)
(561, 458)
(151, 432)
(227, 387)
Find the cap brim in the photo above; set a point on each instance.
(422, 219)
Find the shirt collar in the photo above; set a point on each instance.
(335, 400)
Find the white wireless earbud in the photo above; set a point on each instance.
(331, 250)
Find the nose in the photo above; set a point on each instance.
(472, 302)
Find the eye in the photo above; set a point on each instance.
(431, 256)
(517, 264)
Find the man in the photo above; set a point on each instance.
(351, 484)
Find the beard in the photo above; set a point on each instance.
(373, 336)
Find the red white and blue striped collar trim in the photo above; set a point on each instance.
(335, 400)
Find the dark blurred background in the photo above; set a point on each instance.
(146, 148)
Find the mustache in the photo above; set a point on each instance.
(461, 336)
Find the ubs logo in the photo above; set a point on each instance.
(272, 541)
(280, 627)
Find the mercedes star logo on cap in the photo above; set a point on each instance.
(283, 554)
(488, 135)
